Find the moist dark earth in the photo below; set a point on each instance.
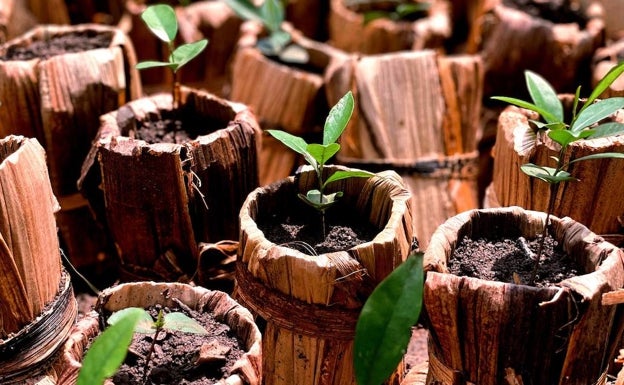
(71, 42)
(557, 11)
(499, 259)
(175, 356)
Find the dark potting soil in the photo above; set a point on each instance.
(175, 357)
(344, 230)
(556, 11)
(71, 42)
(499, 259)
(173, 127)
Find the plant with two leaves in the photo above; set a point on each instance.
(109, 349)
(271, 14)
(317, 155)
(402, 10)
(162, 22)
(585, 123)
(383, 329)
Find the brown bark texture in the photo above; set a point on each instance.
(417, 113)
(161, 199)
(311, 303)
(594, 200)
(483, 331)
(347, 30)
(247, 370)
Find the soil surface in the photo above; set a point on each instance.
(180, 126)
(557, 11)
(176, 358)
(501, 259)
(343, 231)
(57, 45)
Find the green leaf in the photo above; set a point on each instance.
(320, 201)
(563, 137)
(374, 15)
(338, 118)
(279, 40)
(186, 52)
(577, 96)
(604, 155)
(341, 174)
(181, 322)
(145, 325)
(295, 143)
(607, 129)
(109, 349)
(547, 174)
(151, 64)
(322, 153)
(245, 9)
(596, 112)
(407, 9)
(161, 20)
(544, 97)
(272, 12)
(548, 117)
(294, 54)
(383, 329)
(604, 83)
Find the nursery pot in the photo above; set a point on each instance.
(245, 371)
(594, 200)
(160, 199)
(485, 332)
(310, 303)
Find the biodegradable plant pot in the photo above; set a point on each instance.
(512, 40)
(309, 17)
(604, 59)
(347, 30)
(311, 303)
(58, 99)
(297, 101)
(484, 331)
(161, 199)
(247, 370)
(37, 304)
(594, 201)
(418, 114)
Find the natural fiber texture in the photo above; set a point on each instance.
(421, 110)
(513, 41)
(347, 30)
(417, 375)
(594, 201)
(554, 335)
(287, 286)
(29, 246)
(162, 198)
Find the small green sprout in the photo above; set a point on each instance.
(383, 329)
(161, 20)
(109, 349)
(584, 124)
(317, 155)
(271, 15)
(404, 10)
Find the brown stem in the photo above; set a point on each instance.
(175, 91)
(540, 247)
(149, 355)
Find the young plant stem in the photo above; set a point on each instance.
(149, 354)
(321, 190)
(175, 92)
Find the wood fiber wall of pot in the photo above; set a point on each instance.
(348, 32)
(513, 41)
(311, 303)
(480, 330)
(593, 201)
(417, 113)
(247, 370)
(153, 192)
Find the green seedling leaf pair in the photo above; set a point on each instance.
(383, 330)
(161, 20)
(403, 11)
(317, 155)
(271, 15)
(108, 351)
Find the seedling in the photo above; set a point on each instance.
(383, 330)
(109, 349)
(271, 15)
(317, 155)
(162, 22)
(584, 124)
(403, 10)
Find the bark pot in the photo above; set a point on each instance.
(311, 303)
(486, 332)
